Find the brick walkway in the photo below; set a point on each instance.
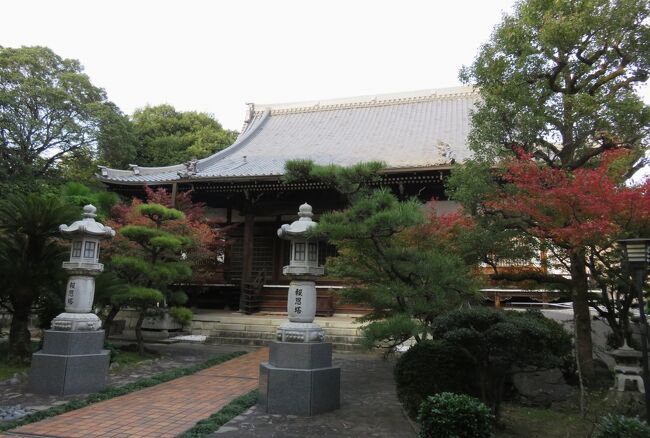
(163, 410)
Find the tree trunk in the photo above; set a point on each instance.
(138, 332)
(579, 295)
(20, 348)
(108, 322)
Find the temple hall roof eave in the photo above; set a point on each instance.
(259, 178)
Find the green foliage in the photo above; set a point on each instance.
(406, 277)
(448, 415)
(153, 264)
(112, 350)
(116, 143)
(347, 180)
(428, 368)
(79, 195)
(497, 343)
(166, 136)
(182, 315)
(159, 213)
(109, 393)
(139, 297)
(49, 110)
(178, 297)
(618, 426)
(558, 79)
(30, 258)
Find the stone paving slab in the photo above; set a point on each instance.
(369, 408)
(164, 410)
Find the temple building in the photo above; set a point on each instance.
(419, 135)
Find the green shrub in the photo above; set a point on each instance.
(502, 342)
(112, 349)
(448, 415)
(182, 315)
(431, 367)
(618, 426)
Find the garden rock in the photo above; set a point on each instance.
(8, 413)
(541, 387)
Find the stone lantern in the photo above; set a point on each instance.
(302, 269)
(83, 267)
(299, 378)
(73, 360)
(627, 369)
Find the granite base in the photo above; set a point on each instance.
(299, 379)
(69, 363)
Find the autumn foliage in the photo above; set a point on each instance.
(586, 206)
(208, 240)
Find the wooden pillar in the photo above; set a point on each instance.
(247, 253)
(174, 194)
(497, 300)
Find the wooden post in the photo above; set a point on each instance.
(497, 300)
(247, 254)
(174, 193)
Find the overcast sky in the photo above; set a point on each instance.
(214, 56)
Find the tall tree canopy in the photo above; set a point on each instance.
(49, 110)
(166, 136)
(557, 81)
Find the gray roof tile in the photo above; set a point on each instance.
(419, 129)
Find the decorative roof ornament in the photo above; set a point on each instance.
(191, 169)
(87, 226)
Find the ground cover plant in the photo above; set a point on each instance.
(222, 416)
(109, 393)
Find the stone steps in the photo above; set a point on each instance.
(259, 330)
(238, 340)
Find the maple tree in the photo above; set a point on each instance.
(568, 215)
(558, 79)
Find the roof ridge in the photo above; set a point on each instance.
(367, 101)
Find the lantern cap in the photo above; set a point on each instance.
(87, 226)
(625, 351)
(300, 227)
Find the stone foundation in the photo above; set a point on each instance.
(70, 363)
(299, 379)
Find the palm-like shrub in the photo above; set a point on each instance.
(30, 257)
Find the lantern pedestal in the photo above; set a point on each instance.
(299, 379)
(71, 362)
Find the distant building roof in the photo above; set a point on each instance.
(422, 129)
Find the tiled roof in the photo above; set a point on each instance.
(424, 129)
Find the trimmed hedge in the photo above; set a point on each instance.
(448, 415)
(109, 393)
(430, 367)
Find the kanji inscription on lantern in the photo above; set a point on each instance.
(70, 299)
